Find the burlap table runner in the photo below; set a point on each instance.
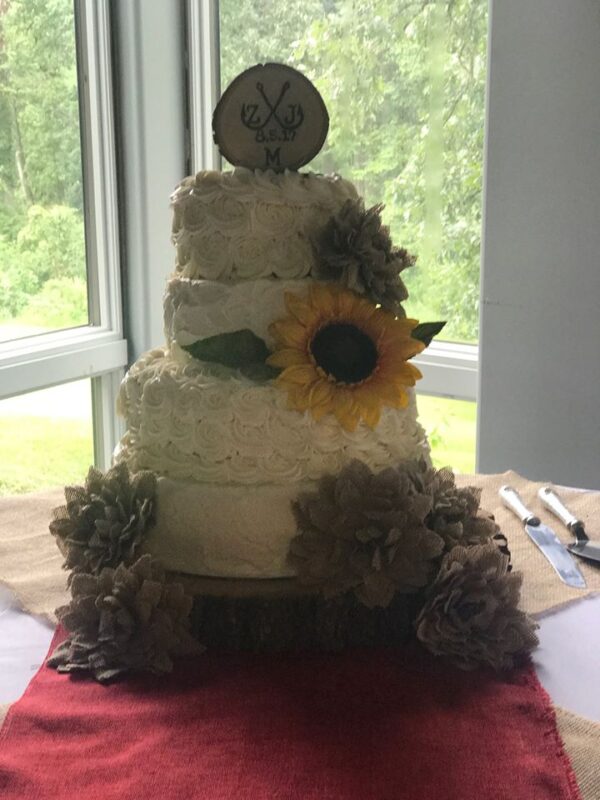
(581, 740)
(542, 590)
(30, 562)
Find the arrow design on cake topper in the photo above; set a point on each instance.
(252, 121)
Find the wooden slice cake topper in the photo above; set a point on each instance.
(270, 117)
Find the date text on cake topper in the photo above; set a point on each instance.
(259, 121)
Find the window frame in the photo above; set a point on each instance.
(99, 349)
(150, 58)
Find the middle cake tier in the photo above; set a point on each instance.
(191, 421)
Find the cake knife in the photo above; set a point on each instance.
(582, 545)
(545, 539)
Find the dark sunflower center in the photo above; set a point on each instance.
(344, 352)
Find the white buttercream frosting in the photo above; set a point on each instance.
(196, 309)
(224, 531)
(192, 421)
(245, 224)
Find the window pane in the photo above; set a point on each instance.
(404, 83)
(46, 438)
(451, 426)
(43, 283)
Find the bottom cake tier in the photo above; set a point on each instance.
(224, 531)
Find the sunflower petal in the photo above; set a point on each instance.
(347, 304)
(319, 412)
(301, 374)
(323, 300)
(322, 392)
(404, 399)
(347, 417)
(416, 372)
(372, 324)
(372, 415)
(408, 374)
(299, 398)
(347, 411)
(370, 408)
(287, 357)
(289, 332)
(300, 309)
(393, 394)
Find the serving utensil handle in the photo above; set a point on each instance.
(553, 503)
(512, 499)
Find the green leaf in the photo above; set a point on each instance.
(260, 372)
(239, 350)
(425, 331)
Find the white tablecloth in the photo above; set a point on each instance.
(24, 642)
(567, 661)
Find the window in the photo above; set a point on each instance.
(450, 426)
(60, 303)
(44, 281)
(46, 438)
(404, 83)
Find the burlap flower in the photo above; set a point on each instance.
(471, 616)
(104, 521)
(365, 532)
(355, 249)
(501, 543)
(455, 514)
(124, 619)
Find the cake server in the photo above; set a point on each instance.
(582, 545)
(545, 539)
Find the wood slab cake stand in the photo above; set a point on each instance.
(281, 615)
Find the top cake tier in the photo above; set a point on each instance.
(244, 225)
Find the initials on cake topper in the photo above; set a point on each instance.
(270, 117)
(251, 118)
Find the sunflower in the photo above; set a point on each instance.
(341, 354)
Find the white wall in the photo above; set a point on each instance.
(539, 399)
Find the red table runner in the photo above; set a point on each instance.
(366, 725)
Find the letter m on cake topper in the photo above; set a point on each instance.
(272, 157)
